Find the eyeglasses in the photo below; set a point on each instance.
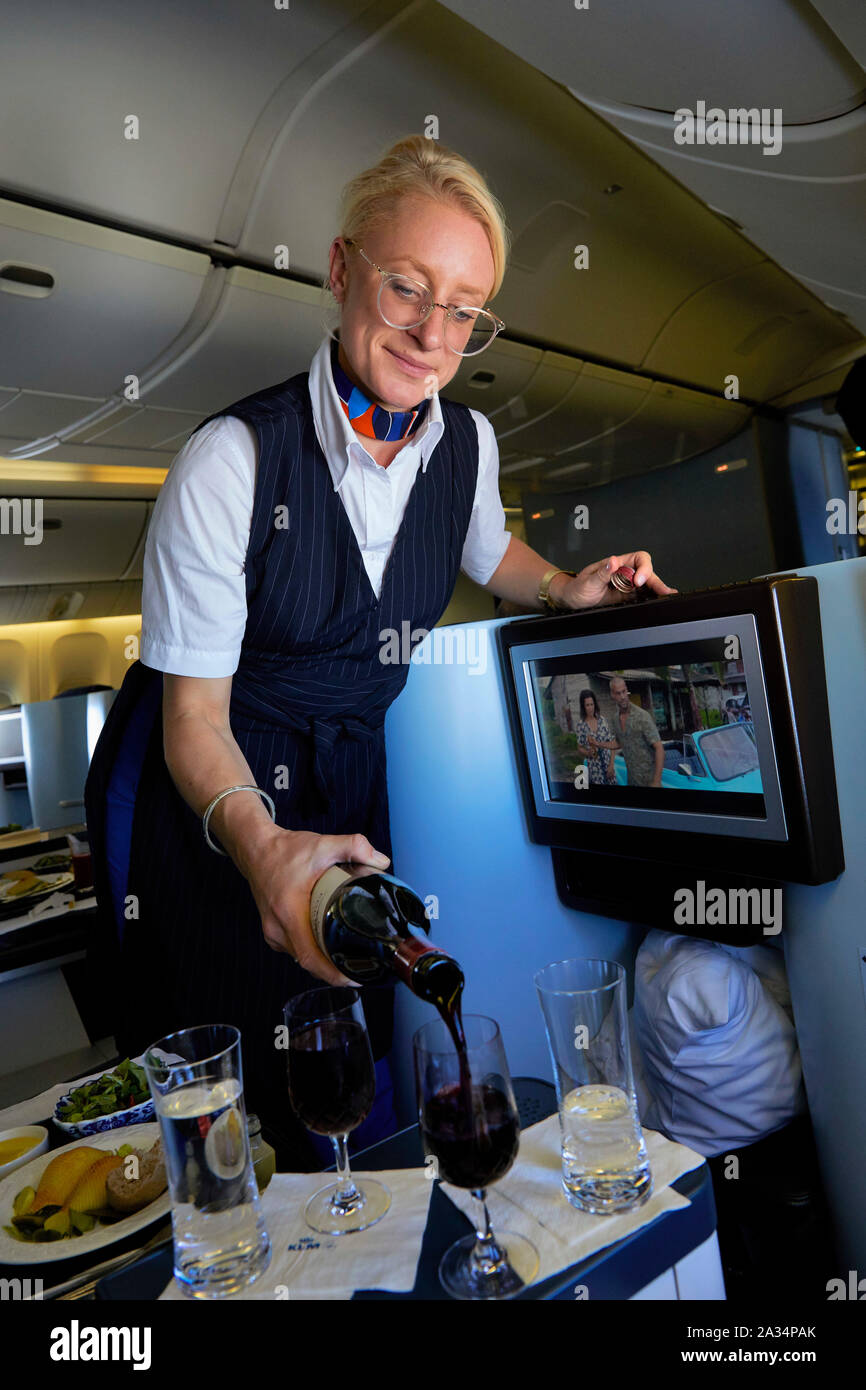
(404, 303)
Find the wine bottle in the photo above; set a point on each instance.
(369, 924)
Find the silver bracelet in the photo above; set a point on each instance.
(207, 815)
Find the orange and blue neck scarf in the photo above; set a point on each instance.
(370, 419)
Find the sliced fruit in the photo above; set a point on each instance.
(89, 1193)
(62, 1174)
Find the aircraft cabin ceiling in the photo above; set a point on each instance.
(148, 264)
(637, 63)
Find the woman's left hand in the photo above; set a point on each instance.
(592, 585)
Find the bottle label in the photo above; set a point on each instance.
(324, 890)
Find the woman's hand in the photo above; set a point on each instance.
(281, 866)
(592, 585)
(282, 872)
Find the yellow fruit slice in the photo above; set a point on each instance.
(89, 1193)
(62, 1175)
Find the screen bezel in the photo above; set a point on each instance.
(771, 826)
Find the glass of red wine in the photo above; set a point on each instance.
(469, 1123)
(331, 1086)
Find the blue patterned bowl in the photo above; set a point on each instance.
(100, 1124)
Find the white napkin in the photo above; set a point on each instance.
(530, 1199)
(47, 906)
(307, 1266)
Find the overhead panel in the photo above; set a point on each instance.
(595, 402)
(39, 603)
(819, 170)
(751, 327)
(107, 291)
(549, 159)
(84, 310)
(637, 64)
(26, 415)
(94, 540)
(619, 424)
(264, 330)
(142, 113)
(780, 54)
(495, 378)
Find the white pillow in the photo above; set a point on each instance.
(716, 1062)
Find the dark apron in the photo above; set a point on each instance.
(180, 936)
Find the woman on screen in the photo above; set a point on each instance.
(593, 726)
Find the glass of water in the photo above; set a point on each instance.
(196, 1080)
(604, 1160)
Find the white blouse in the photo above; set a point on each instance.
(194, 608)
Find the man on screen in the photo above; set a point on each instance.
(636, 737)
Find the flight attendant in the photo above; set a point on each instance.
(245, 751)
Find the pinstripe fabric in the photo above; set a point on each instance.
(308, 704)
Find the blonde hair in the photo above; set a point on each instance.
(420, 166)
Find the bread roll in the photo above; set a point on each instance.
(130, 1194)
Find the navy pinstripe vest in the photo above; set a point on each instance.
(312, 648)
(307, 709)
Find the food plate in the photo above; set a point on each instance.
(18, 1252)
(42, 886)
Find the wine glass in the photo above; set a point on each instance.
(469, 1123)
(331, 1086)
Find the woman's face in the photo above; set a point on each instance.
(443, 248)
(589, 707)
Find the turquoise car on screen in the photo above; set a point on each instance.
(723, 759)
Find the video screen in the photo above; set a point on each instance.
(664, 726)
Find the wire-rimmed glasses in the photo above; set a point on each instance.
(406, 303)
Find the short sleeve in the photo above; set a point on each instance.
(486, 538)
(194, 610)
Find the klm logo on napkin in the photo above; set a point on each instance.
(308, 1243)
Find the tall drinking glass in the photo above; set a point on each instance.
(196, 1080)
(469, 1123)
(332, 1084)
(604, 1160)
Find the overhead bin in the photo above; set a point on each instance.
(195, 78)
(765, 331)
(635, 65)
(115, 303)
(555, 165)
(264, 329)
(623, 425)
(495, 380)
(818, 167)
(50, 603)
(94, 540)
(642, 54)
